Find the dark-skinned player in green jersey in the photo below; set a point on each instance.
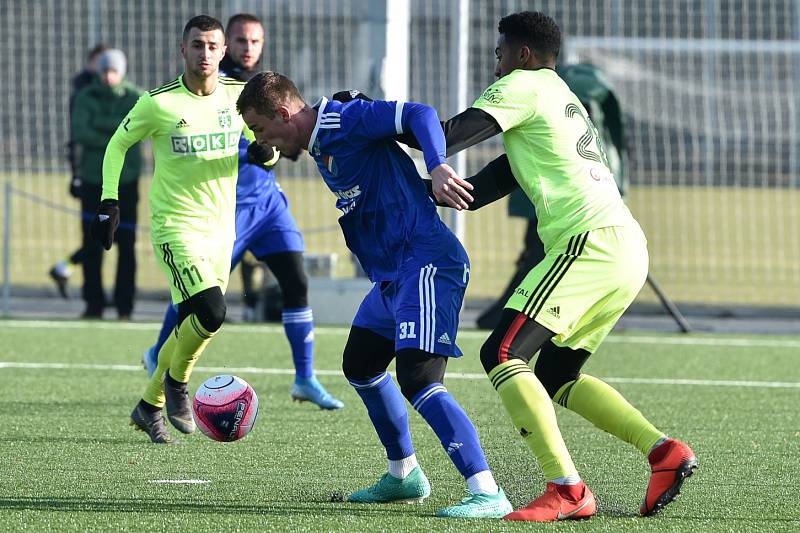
(596, 262)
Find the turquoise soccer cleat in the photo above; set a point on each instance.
(479, 506)
(389, 489)
(150, 360)
(311, 390)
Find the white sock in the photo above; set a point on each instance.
(62, 269)
(403, 467)
(482, 483)
(571, 479)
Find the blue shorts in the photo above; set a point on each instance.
(421, 307)
(265, 228)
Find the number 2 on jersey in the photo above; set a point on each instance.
(588, 136)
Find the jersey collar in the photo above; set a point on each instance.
(193, 95)
(320, 107)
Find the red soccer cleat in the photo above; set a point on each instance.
(552, 506)
(671, 463)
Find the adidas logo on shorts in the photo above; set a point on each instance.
(444, 339)
(555, 310)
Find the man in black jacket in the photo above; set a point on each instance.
(61, 271)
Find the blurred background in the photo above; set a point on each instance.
(708, 89)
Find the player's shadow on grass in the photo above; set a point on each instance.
(149, 505)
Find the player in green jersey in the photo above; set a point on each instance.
(595, 264)
(195, 131)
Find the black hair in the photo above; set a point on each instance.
(535, 30)
(202, 23)
(97, 50)
(241, 18)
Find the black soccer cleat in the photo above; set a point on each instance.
(179, 408)
(60, 279)
(152, 424)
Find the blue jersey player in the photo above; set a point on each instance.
(265, 227)
(419, 268)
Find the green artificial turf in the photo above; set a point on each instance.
(70, 461)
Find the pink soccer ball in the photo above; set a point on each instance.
(225, 408)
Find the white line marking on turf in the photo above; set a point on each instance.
(452, 375)
(180, 481)
(667, 339)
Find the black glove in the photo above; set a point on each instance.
(75, 186)
(352, 94)
(105, 223)
(258, 154)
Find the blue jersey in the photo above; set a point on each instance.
(388, 220)
(254, 182)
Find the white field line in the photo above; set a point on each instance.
(666, 340)
(451, 375)
(180, 481)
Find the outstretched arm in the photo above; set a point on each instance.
(462, 131)
(447, 187)
(491, 183)
(383, 120)
(466, 129)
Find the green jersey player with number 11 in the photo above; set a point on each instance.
(195, 130)
(596, 262)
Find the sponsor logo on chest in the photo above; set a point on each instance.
(206, 142)
(192, 144)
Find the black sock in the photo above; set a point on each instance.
(174, 383)
(150, 408)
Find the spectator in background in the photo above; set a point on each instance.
(601, 103)
(97, 111)
(61, 271)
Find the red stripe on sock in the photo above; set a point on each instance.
(511, 334)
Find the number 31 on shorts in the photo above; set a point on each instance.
(407, 330)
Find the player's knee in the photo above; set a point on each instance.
(494, 352)
(353, 367)
(557, 366)
(366, 354)
(417, 369)
(209, 307)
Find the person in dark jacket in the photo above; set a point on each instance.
(62, 270)
(97, 111)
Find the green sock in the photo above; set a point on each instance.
(532, 413)
(603, 406)
(192, 340)
(154, 394)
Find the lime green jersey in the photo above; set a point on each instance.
(195, 148)
(555, 154)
